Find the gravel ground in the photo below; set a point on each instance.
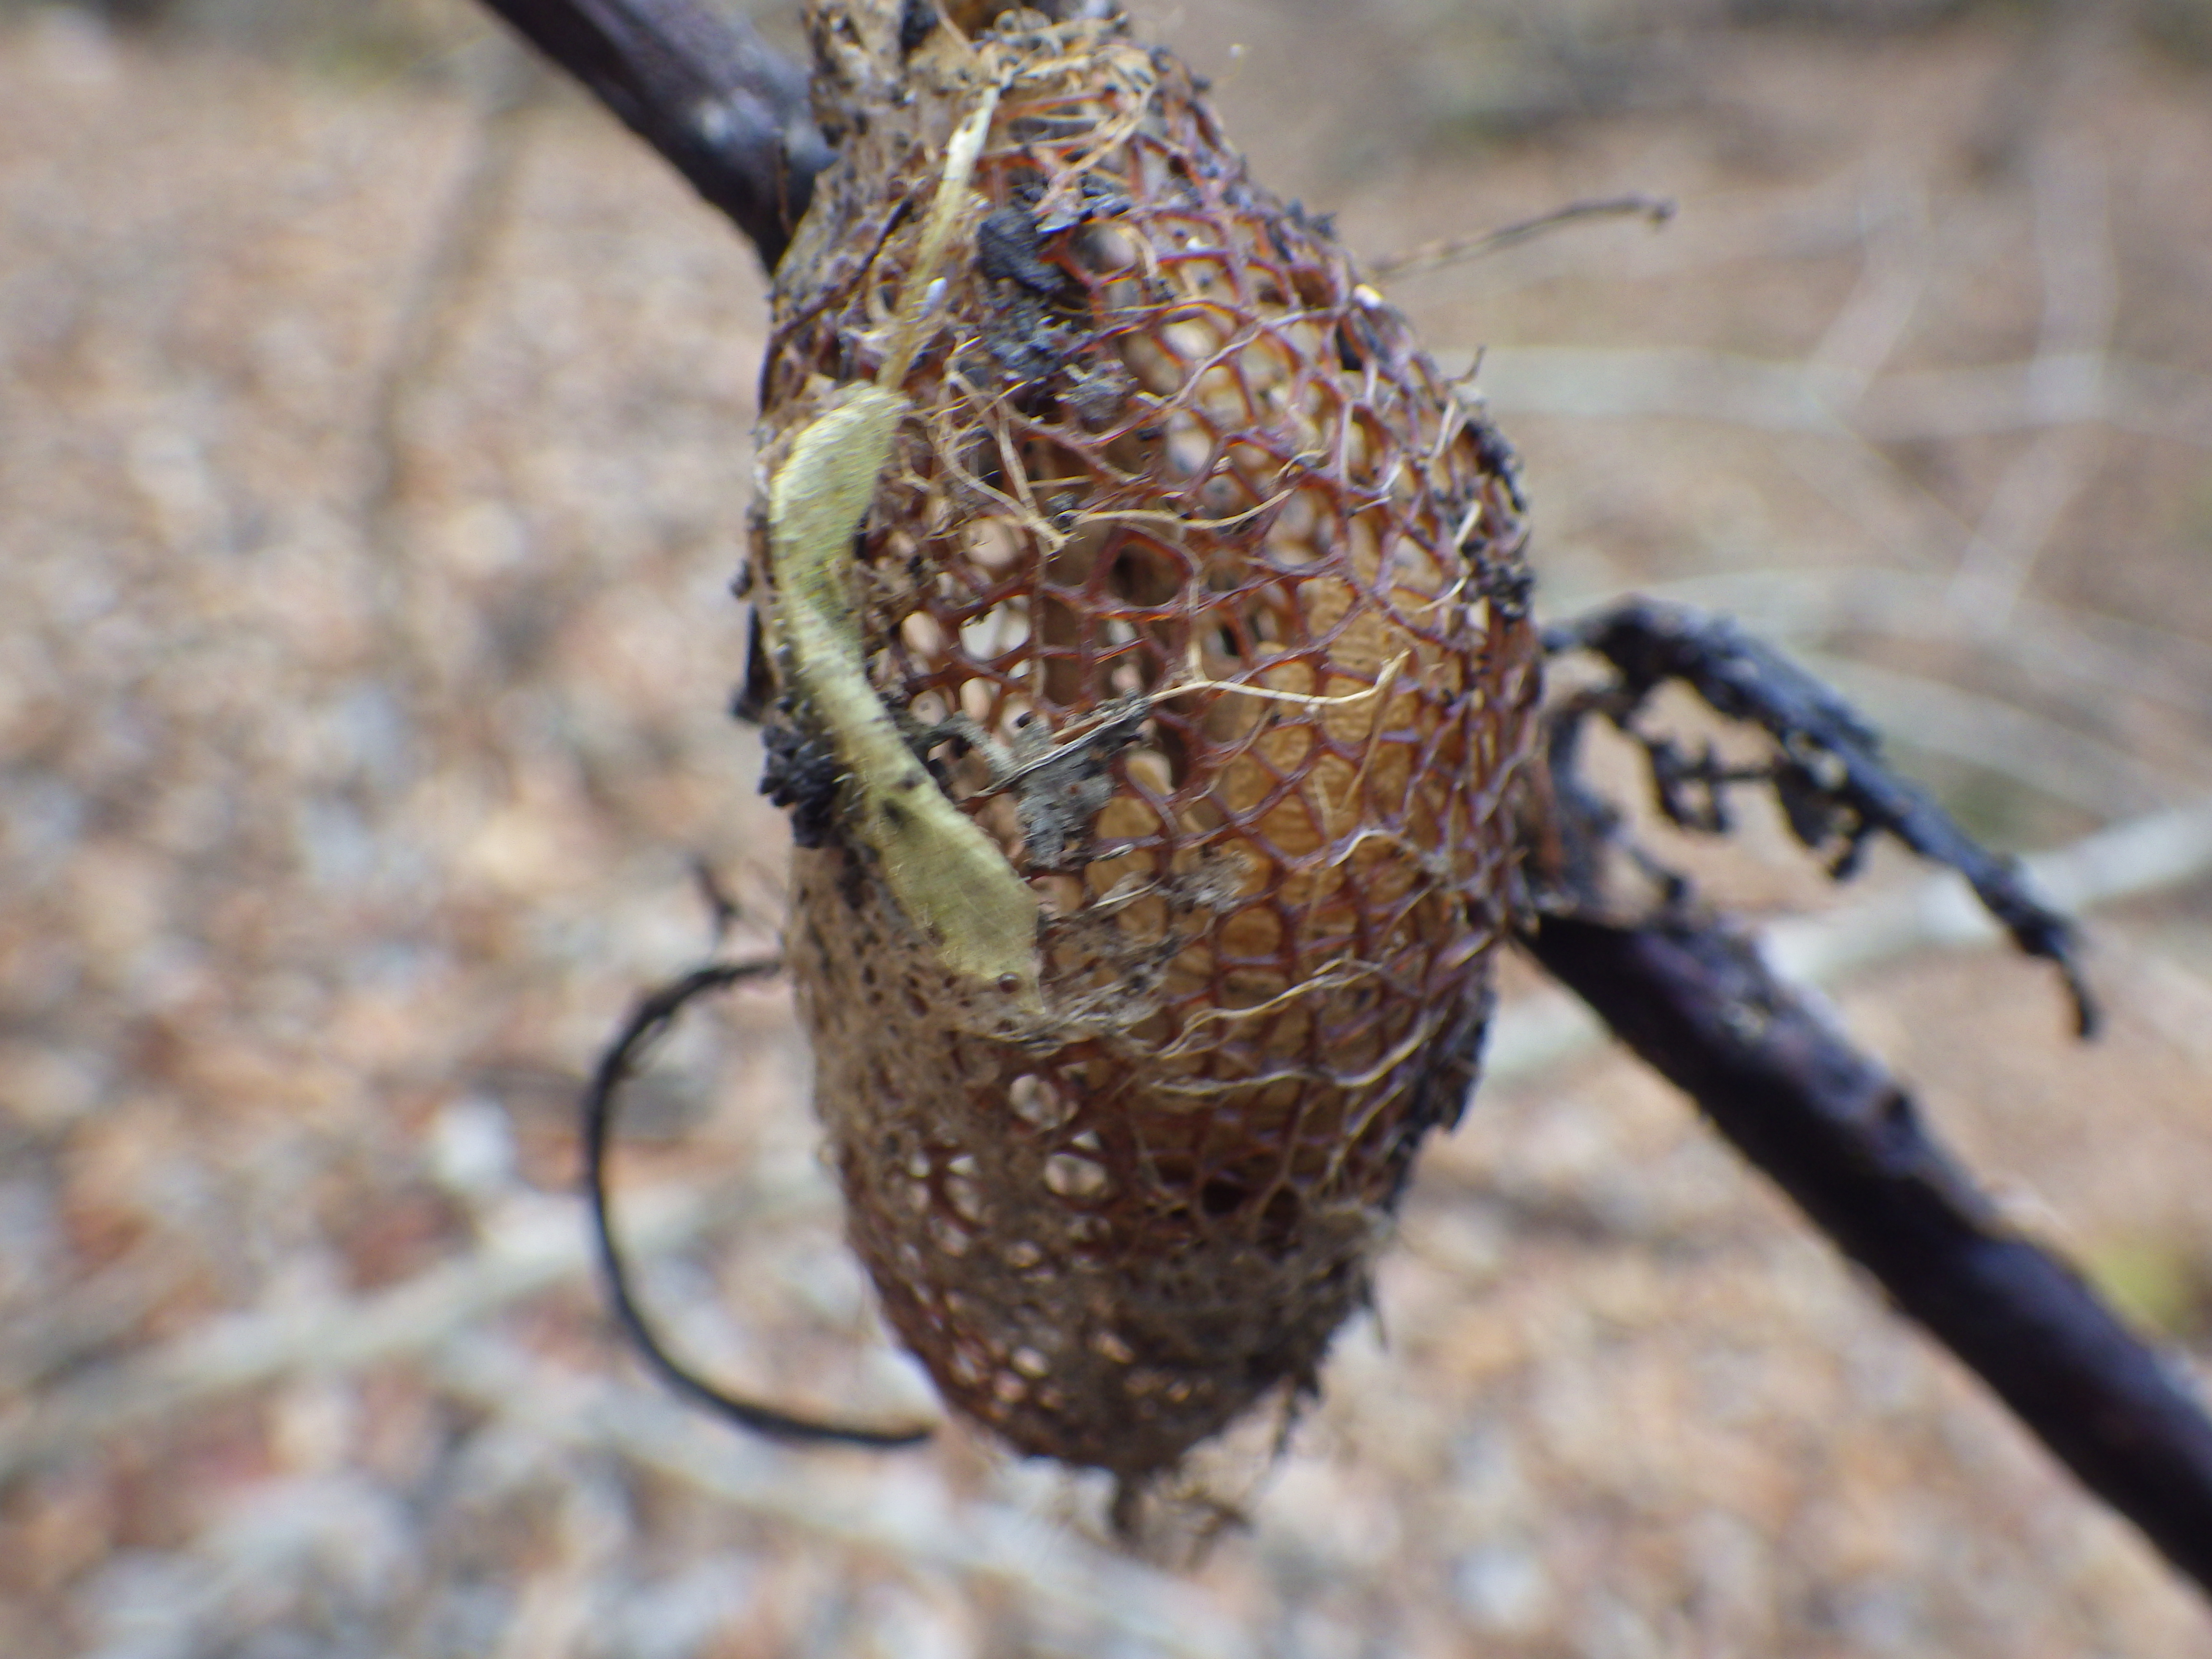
(373, 468)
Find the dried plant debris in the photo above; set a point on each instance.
(1828, 774)
(1175, 601)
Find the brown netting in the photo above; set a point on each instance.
(1165, 442)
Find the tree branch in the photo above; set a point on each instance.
(1834, 1131)
(723, 108)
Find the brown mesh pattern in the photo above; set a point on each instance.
(1165, 443)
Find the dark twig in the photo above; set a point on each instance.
(651, 1016)
(1695, 1002)
(1834, 787)
(695, 82)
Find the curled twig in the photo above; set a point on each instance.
(651, 1016)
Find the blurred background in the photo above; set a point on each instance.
(373, 467)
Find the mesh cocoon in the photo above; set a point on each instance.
(1164, 443)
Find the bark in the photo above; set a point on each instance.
(1829, 1127)
(724, 108)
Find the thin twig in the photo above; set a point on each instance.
(1455, 250)
(652, 1017)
